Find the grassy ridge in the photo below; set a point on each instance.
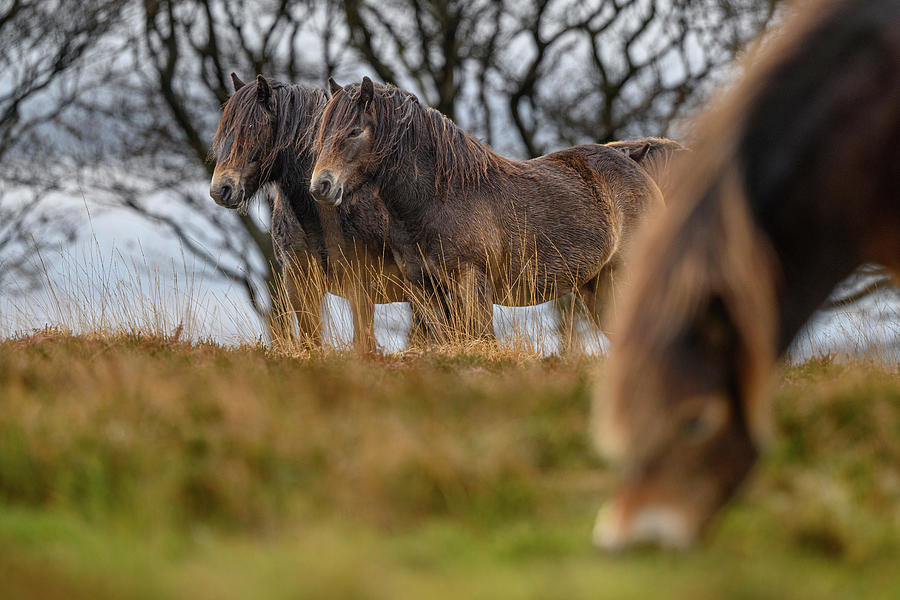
(144, 467)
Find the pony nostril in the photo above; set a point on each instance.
(225, 194)
(618, 528)
(323, 188)
(221, 193)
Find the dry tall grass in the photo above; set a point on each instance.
(448, 307)
(135, 466)
(89, 288)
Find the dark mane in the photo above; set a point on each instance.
(404, 126)
(295, 111)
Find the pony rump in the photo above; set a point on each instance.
(402, 125)
(247, 127)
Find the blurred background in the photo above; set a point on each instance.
(107, 109)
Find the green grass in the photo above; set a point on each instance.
(135, 467)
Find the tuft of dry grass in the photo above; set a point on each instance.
(451, 307)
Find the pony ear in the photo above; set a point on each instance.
(263, 90)
(333, 86)
(366, 91)
(236, 82)
(638, 154)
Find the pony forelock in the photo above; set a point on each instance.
(292, 118)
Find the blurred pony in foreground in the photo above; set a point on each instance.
(793, 184)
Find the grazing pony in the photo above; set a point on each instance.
(265, 138)
(471, 228)
(792, 185)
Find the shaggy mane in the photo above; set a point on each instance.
(295, 110)
(403, 126)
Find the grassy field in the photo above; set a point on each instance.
(139, 467)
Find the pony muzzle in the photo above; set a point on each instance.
(326, 190)
(226, 193)
(621, 525)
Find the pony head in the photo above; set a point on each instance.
(684, 405)
(261, 124)
(345, 141)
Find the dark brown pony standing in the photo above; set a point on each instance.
(470, 227)
(793, 184)
(265, 138)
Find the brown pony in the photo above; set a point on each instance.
(265, 138)
(793, 185)
(471, 228)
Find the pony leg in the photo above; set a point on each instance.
(474, 299)
(568, 314)
(363, 309)
(358, 276)
(599, 296)
(432, 315)
(304, 295)
(301, 288)
(422, 331)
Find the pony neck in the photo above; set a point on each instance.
(298, 114)
(809, 266)
(430, 159)
(291, 171)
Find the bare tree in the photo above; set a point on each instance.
(527, 76)
(429, 45)
(602, 71)
(565, 72)
(44, 50)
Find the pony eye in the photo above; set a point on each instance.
(355, 132)
(694, 427)
(707, 421)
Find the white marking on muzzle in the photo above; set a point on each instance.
(665, 526)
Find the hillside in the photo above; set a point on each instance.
(143, 467)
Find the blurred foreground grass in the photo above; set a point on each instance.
(136, 467)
